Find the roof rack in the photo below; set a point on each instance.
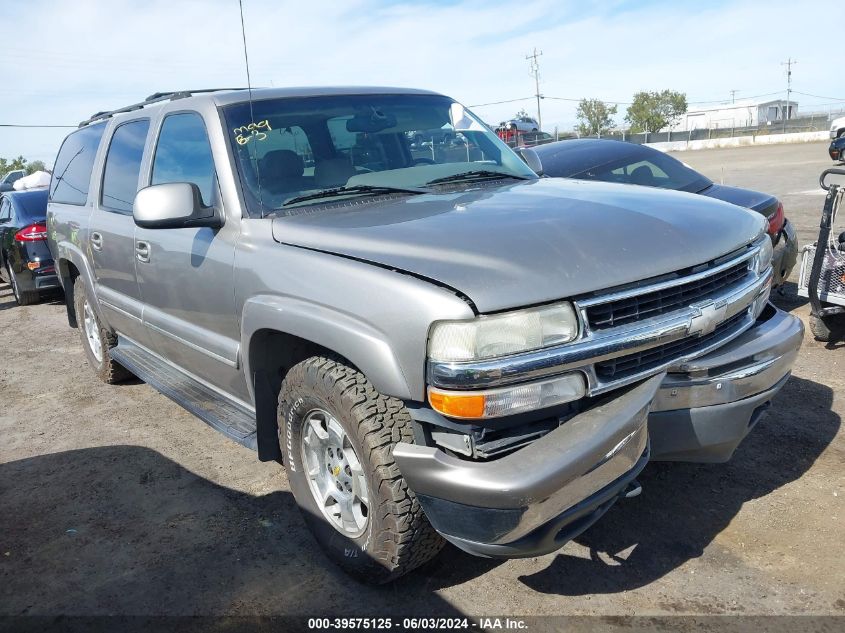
(153, 98)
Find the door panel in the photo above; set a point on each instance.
(189, 303)
(186, 274)
(112, 244)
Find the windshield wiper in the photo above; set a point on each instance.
(478, 174)
(354, 190)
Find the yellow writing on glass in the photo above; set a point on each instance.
(255, 130)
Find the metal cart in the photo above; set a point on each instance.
(822, 277)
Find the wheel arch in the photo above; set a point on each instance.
(279, 332)
(70, 264)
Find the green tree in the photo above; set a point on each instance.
(594, 117)
(7, 165)
(653, 111)
(34, 166)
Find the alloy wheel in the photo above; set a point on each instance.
(335, 475)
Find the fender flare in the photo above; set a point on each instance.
(70, 253)
(364, 345)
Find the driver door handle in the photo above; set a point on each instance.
(142, 251)
(96, 241)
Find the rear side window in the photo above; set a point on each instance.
(72, 172)
(123, 166)
(183, 154)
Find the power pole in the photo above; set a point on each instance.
(535, 70)
(733, 94)
(788, 63)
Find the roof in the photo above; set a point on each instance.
(227, 96)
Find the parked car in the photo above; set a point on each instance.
(837, 128)
(25, 259)
(515, 138)
(628, 163)
(9, 179)
(439, 136)
(523, 124)
(837, 149)
(434, 348)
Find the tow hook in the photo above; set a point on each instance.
(632, 490)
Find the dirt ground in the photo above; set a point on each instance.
(113, 500)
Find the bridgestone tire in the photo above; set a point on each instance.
(107, 370)
(397, 537)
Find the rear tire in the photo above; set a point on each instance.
(96, 339)
(23, 297)
(321, 394)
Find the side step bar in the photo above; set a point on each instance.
(227, 417)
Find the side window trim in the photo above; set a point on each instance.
(104, 163)
(217, 198)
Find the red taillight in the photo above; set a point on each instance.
(33, 233)
(776, 221)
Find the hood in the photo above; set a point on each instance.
(760, 202)
(530, 242)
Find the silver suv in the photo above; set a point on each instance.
(435, 342)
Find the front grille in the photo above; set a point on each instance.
(657, 302)
(624, 366)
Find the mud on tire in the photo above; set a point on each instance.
(397, 537)
(107, 370)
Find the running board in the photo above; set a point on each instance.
(233, 421)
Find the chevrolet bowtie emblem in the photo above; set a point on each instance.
(336, 471)
(706, 317)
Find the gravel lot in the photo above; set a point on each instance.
(113, 500)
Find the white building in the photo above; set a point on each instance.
(738, 114)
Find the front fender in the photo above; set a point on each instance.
(360, 342)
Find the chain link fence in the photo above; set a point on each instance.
(807, 122)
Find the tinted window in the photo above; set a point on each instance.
(72, 172)
(183, 154)
(31, 206)
(123, 166)
(613, 161)
(5, 210)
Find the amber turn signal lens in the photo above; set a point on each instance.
(33, 265)
(470, 405)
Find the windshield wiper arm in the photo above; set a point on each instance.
(362, 190)
(478, 174)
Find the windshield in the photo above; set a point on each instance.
(289, 149)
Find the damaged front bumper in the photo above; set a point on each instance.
(705, 407)
(534, 500)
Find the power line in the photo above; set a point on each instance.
(32, 125)
(807, 94)
(481, 105)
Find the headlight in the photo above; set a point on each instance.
(502, 334)
(764, 256)
(495, 403)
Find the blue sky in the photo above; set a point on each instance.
(64, 61)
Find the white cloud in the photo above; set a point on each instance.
(65, 61)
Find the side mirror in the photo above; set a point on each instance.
(531, 158)
(173, 205)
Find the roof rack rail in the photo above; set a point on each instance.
(153, 98)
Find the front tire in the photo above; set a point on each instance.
(337, 437)
(96, 339)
